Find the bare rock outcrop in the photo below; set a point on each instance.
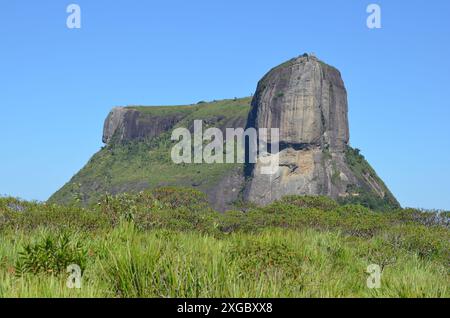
(307, 100)
(125, 124)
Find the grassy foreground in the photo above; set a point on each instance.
(169, 243)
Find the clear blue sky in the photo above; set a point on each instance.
(57, 85)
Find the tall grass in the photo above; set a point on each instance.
(170, 244)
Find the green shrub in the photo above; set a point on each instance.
(13, 205)
(427, 243)
(122, 206)
(318, 202)
(364, 196)
(412, 231)
(174, 197)
(256, 256)
(51, 255)
(180, 219)
(50, 216)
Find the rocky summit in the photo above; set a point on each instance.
(304, 97)
(307, 100)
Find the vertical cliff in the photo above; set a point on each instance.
(307, 101)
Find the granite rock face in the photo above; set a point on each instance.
(307, 100)
(127, 124)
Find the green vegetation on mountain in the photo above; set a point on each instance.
(168, 242)
(364, 196)
(132, 166)
(135, 165)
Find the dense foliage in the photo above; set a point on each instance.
(168, 242)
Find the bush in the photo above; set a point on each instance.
(318, 202)
(50, 216)
(179, 219)
(423, 217)
(258, 256)
(426, 242)
(184, 209)
(174, 197)
(123, 206)
(51, 255)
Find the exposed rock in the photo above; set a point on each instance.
(306, 99)
(302, 172)
(129, 124)
(226, 192)
(113, 121)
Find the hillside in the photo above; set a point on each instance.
(135, 165)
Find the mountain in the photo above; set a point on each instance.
(304, 97)
(307, 100)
